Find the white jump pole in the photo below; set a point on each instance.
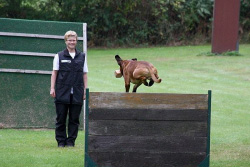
(84, 26)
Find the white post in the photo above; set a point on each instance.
(84, 43)
(84, 26)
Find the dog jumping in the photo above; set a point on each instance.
(137, 72)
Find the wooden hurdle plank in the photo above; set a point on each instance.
(148, 159)
(164, 128)
(145, 144)
(147, 114)
(148, 130)
(112, 100)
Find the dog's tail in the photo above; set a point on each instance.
(154, 76)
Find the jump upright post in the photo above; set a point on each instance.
(27, 49)
(147, 130)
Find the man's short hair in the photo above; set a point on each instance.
(69, 34)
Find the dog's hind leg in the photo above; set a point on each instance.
(151, 82)
(136, 86)
(145, 83)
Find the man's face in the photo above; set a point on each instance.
(71, 42)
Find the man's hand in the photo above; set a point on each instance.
(52, 93)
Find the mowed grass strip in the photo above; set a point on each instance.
(38, 148)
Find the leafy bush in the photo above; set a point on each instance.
(131, 22)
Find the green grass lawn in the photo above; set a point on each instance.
(181, 71)
(38, 148)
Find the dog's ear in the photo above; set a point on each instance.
(134, 59)
(118, 59)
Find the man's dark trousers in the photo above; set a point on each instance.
(62, 110)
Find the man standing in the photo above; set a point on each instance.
(68, 85)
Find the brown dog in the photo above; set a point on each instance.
(137, 72)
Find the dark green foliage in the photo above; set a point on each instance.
(131, 22)
(245, 14)
(245, 20)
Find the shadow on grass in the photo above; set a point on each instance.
(229, 53)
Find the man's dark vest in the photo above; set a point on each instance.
(70, 74)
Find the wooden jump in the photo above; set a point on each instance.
(147, 130)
